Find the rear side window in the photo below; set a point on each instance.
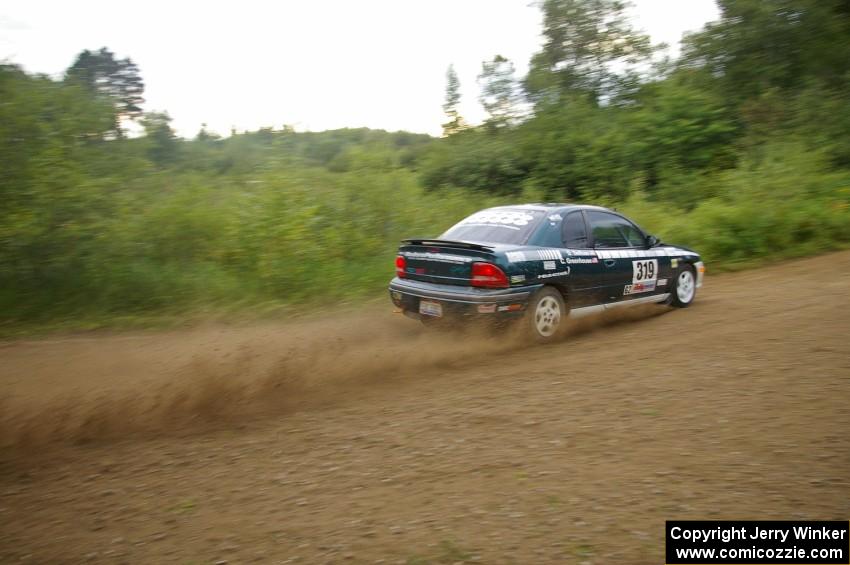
(610, 230)
(575, 233)
(549, 232)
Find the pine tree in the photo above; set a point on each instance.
(450, 107)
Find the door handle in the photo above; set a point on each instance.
(610, 262)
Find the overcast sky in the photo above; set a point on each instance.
(315, 64)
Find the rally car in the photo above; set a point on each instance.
(538, 264)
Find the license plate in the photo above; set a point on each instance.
(430, 308)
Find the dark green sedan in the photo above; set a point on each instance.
(538, 264)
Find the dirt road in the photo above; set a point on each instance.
(362, 439)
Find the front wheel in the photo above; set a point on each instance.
(545, 315)
(685, 288)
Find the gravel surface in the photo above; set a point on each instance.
(365, 439)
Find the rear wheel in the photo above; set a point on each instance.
(545, 315)
(685, 288)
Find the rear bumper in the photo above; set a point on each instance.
(460, 300)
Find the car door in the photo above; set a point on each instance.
(647, 265)
(629, 271)
(587, 273)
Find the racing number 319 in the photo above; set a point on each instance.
(645, 270)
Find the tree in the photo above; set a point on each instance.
(205, 135)
(589, 49)
(499, 92)
(163, 144)
(450, 107)
(681, 129)
(473, 160)
(116, 79)
(40, 119)
(758, 45)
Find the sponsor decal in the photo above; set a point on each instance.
(675, 251)
(550, 275)
(438, 257)
(550, 254)
(639, 253)
(502, 218)
(674, 263)
(581, 260)
(638, 288)
(486, 308)
(661, 282)
(548, 265)
(555, 218)
(515, 256)
(517, 278)
(574, 254)
(510, 308)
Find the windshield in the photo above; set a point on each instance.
(498, 225)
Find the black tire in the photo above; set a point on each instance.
(546, 315)
(684, 287)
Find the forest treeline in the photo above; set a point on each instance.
(740, 148)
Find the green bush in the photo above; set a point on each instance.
(785, 204)
(93, 231)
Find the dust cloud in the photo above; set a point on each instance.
(186, 381)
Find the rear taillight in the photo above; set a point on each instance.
(400, 266)
(488, 275)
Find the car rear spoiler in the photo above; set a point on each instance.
(448, 243)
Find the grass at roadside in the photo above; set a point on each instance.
(287, 242)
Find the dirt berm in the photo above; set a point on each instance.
(362, 438)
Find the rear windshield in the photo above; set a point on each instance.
(501, 225)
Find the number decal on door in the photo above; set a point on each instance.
(646, 270)
(644, 276)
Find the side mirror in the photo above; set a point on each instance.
(652, 241)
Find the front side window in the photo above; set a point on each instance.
(610, 230)
(633, 235)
